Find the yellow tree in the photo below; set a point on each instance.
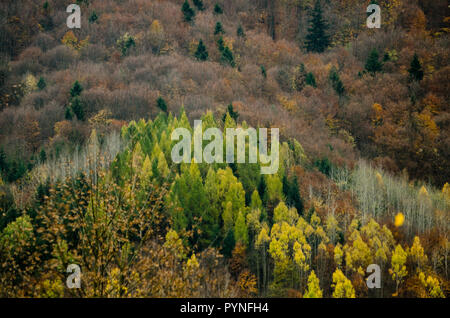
(342, 286)
(398, 268)
(313, 290)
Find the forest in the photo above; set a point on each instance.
(86, 170)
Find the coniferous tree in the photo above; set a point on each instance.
(161, 103)
(218, 29)
(311, 79)
(41, 84)
(78, 108)
(220, 44)
(227, 56)
(373, 65)
(93, 18)
(188, 12)
(336, 82)
(416, 71)
(76, 89)
(201, 53)
(199, 4)
(68, 115)
(240, 31)
(218, 9)
(317, 39)
(233, 114)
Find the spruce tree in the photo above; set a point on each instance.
(201, 53)
(77, 108)
(68, 115)
(199, 4)
(311, 79)
(240, 31)
(336, 81)
(373, 64)
(233, 114)
(227, 56)
(218, 29)
(218, 9)
(415, 71)
(221, 44)
(93, 18)
(263, 71)
(161, 103)
(188, 12)
(41, 83)
(317, 40)
(76, 89)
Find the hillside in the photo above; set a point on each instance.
(87, 174)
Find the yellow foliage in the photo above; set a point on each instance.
(399, 219)
(70, 40)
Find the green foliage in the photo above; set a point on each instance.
(336, 82)
(218, 9)
(201, 53)
(415, 70)
(188, 12)
(41, 84)
(125, 43)
(263, 71)
(93, 17)
(76, 89)
(227, 56)
(161, 103)
(317, 40)
(373, 65)
(240, 31)
(199, 4)
(78, 108)
(324, 165)
(311, 79)
(231, 112)
(219, 29)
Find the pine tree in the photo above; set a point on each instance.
(93, 18)
(240, 31)
(336, 81)
(416, 71)
(188, 12)
(220, 44)
(218, 9)
(161, 103)
(201, 53)
(311, 80)
(227, 56)
(317, 40)
(76, 89)
(41, 84)
(294, 196)
(68, 115)
(373, 65)
(199, 4)
(218, 29)
(77, 108)
(233, 114)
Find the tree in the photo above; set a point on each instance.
(125, 42)
(373, 65)
(263, 71)
(218, 9)
(311, 80)
(313, 290)
(93, 18)
(342, 286)
(161, 103)
(76, 89)
(230, 111)
(227, 56)
(336, 82)
(240, 31)
(187, 11)
(199, 4)
(78, 108)
(398, 268)
(415, 70)
(317, 40)
(219, 29)
(201, 53)
(41, 84)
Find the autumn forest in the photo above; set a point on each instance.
(88, 180)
